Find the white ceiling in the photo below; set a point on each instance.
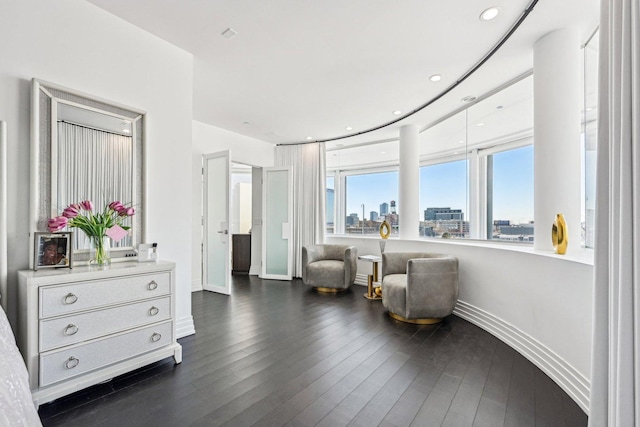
(300, 68)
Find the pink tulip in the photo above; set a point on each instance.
(87, 205)
(116, 206)
(75, 206)
(57, 223)
(127, 212)
(70, 212)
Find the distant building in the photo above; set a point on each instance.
(392, 207)
(517, 230)
(373, 216)
(427, 231)
(501, 222)
(393, 219)
(384, 209)
(443, 214)
(352, 220)
(330, 205)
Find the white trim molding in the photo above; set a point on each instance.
(361, 279)
(196, 285)
(185, 327)
(566, 376)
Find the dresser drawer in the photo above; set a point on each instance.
(61, 331)
(58, 365)
(74, 297)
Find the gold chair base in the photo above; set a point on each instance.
(414, 321)
(328, 290)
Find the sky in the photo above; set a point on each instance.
(445, 185)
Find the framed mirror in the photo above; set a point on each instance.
(86, 148)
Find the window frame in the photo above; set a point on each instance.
(340, 194)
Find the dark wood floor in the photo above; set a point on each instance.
(277, 353)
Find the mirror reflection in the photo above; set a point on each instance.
(94, 162)
(86, 149)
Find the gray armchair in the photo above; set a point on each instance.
(419, 287)
(329, 268)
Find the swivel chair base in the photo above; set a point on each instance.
(414, 321)
(328, 290)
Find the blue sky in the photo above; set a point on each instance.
(444, 185)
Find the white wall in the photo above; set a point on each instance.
(539, 303)
(210, 139)
(75, 44)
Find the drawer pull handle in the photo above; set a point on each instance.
(153, 311)
(71, 329)
(152, 285)
(156, 337)
(70, 298)
(71, 362)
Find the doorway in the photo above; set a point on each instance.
(231, 224)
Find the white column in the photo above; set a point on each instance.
(477, 216)
(556, 120)
(409, 183)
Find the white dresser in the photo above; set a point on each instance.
(78, 327)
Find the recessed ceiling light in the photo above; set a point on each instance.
(309, 138)
(461, 142)
(469, 98)
(349, 128)
(397, 112)
(480, 124)
(245, 123)
(435, 78)
(229, 33)
(499, 107)
(489, 14)
(126, 131)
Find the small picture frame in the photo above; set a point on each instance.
(52, 250)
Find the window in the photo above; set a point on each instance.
(510, 195)
(330, 203)
(590, 134)
(443, 200)
(370, 199)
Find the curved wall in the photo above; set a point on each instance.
(538, 303)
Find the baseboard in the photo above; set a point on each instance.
(566, 376)
(185, 327)
(361, 279)
(196, 285)
(255, 270)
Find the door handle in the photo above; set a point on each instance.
(223, 231)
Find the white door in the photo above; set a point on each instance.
(216, 253)
(277, 229)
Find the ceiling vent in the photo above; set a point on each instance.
(229, 33)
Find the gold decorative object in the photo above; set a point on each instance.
(559, 235)
(385, 229)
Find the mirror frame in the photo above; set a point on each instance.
(44, 99)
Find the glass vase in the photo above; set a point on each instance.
(100, 251)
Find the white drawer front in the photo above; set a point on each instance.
(66, 363)
(75, 328)
(71, 298)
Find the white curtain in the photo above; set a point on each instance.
(88, 160)
(615, 371)
(307, 162)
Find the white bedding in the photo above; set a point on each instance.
(16, 406)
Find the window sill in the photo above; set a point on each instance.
(581, 256)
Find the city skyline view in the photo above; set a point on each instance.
(445, 185)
